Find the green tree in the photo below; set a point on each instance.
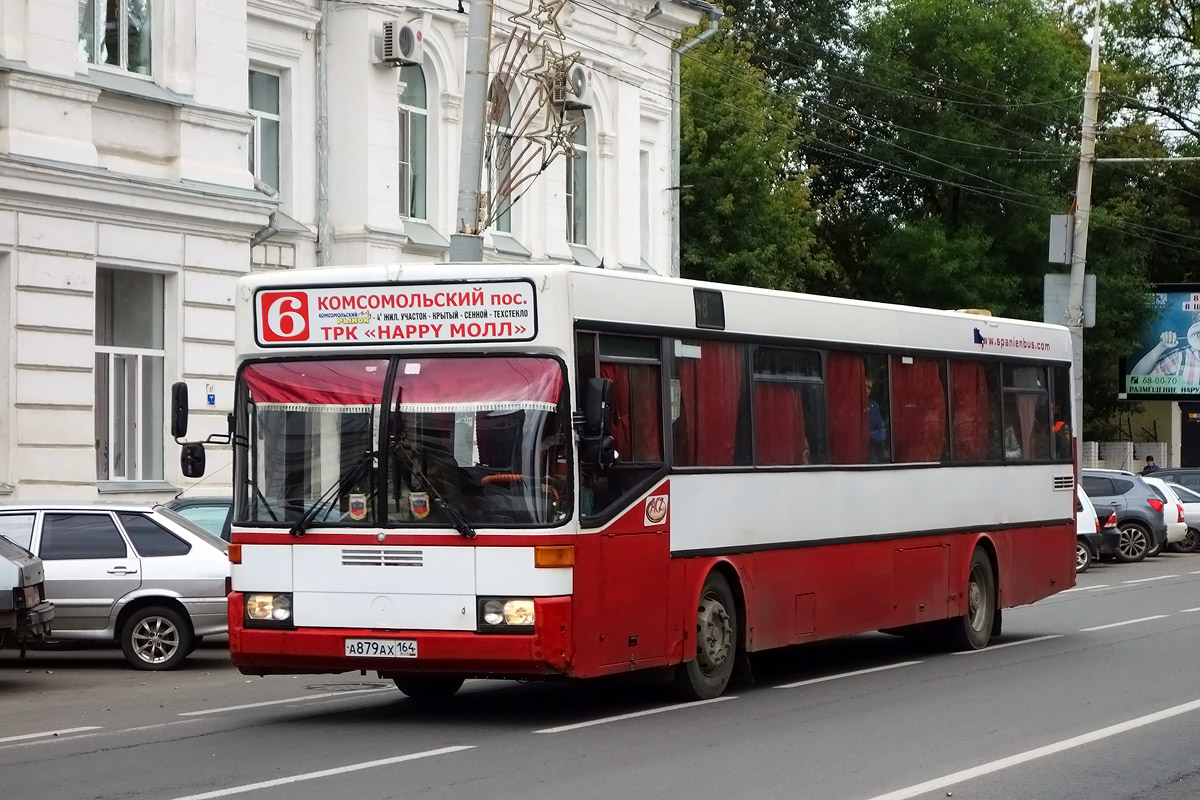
(745, 210)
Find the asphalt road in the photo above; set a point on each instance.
(1091, 694)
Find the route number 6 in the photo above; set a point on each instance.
(284, 316)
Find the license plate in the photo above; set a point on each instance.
(382, 648)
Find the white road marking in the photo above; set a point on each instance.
(646, 713)
(278, 702)
(1126, 622)
(1194, 572)
(1147, 580)
(1038, 752)
(44, 734)
(811, 681)
(1189, 610)
(992, 647)
(1085, 588)
(325, 773)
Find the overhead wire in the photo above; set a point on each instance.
(1003, 193)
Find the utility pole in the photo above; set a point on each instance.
(1083, 210)
(467, 243)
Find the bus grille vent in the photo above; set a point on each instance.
(382, 558)
(1064, 482)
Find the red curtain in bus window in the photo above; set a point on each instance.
(637, 419)
(1026, 411)
(779, 434)
(710, 392)
(969, 399)
(351, 382)
(522, 379)
(846, 385)
(918, 410)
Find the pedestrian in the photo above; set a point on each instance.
(1150, 465)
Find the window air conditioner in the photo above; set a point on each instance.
(403, 44)
(572, 89)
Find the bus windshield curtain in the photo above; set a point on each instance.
(352, 384)
(918, 410)
(846, 385)
(710, 388)
(779, 433)
(635, 414)
(969, 390)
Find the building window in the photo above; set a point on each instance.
(129, 375)
(264, 136)
(116, 32)
(502, 189)
(414, 142)
(577, 181)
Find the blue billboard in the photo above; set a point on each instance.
(1166, 366)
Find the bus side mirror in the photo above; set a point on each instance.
(179, 411)
(191, 460)
(597, 407)
(596, 445)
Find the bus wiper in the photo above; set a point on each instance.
(351, 476)
(456, 517)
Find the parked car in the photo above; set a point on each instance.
(1191, 515)
(1087, 532)
(210, 513)
(1094, 538)
(1187, 476)
(26, 615)
(141, 576)
(1138, 508)
(1172, 512)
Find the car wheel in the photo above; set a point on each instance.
(156, 638)
(1134, 544)
(973, 630)
(428, 688)
(1156, 550)
(707, 674)
(1083, 556)
(1189, 542)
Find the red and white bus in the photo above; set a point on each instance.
(452, 471)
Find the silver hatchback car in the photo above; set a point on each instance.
(139, 575)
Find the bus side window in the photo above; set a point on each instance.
(919, 410)
(632, 364)
(859, 408)
(712, 420)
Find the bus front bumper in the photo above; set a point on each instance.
(544, 653)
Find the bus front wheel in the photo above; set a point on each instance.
(707, 674)
(428, 687)
(973, 630)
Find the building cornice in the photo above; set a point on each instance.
(287, 15)
(50, 86)
(28, 184)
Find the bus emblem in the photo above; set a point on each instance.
(656, 509)
(358, 506)
(418, 503)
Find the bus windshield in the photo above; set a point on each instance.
(424, 442)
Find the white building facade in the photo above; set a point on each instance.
(152, 151)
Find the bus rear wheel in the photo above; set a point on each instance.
(973, 630)
(428, 687)
(707, 674)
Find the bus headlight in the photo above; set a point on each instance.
(269, 608)
(506, 615)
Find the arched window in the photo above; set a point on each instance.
(414, 142)
(577, 182)
(503, 141)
